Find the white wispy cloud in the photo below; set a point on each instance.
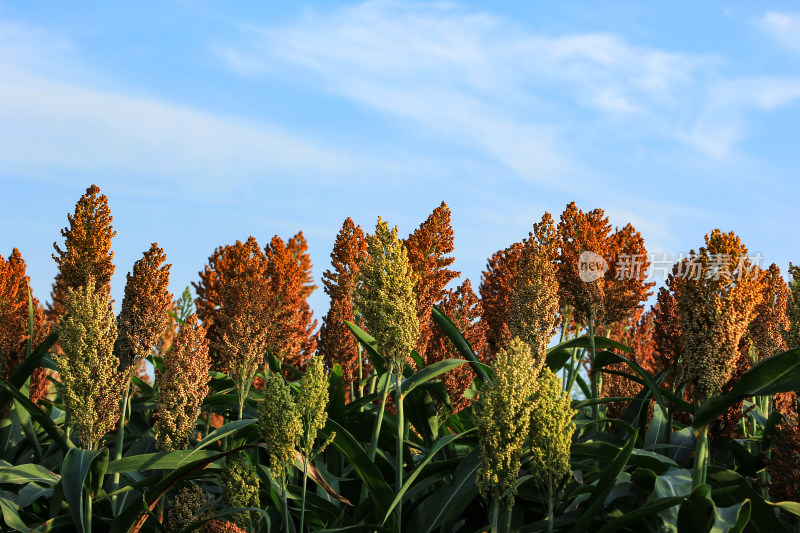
(48, 124)
(486, 82)
(783, 27)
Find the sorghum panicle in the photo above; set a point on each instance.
(91, 386)
(551, 431)
(182, 386)
(386, 295)
(14, 287)
(792, 336)
(87, 250)
(428, 248)
(280, 424)
(496, 288)
(144, 313)
(337, 345)
(184, 507)
(504, 419)
(715, 308)
(240, 488)
(533, 312)
(312, 402)
(771, 321)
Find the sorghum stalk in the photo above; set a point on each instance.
(595, 374)
(700, 459)
(398, 478)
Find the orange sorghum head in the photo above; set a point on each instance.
(87, 249)
(145, 307)
(337, 344)
(428, 250)
(715, 308)
(771, 321)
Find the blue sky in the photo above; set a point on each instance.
(207, 122)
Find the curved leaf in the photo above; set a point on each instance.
(441, 443)
(430, 372)
(461, 344)
(604, 486)
(370, 345)
(37, 414)
(28, 473)
(74, 471)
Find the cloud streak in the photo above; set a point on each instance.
(486, 82)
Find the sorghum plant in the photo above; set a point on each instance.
(91, 385)
(182, 386)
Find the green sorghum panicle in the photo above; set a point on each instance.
(551, 431)
(312, 402)
(183, 509)
(385, 296)
(280, 424)
(240, 487)
(504, 420)
(91, 386)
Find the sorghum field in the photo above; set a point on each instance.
(549, 399)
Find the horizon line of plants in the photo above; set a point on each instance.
(414, 407)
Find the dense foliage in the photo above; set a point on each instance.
(552, 402)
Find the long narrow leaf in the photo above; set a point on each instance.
(461, 344)
(604, 486)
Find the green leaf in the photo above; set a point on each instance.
(606, 358)
(221, 433)
(461, 344)
(599, 342)
(441, 443)
(58, 436)
(557, 358)
(158, 461)
(450, 500)
(378, 490)
(11, 513)
(430, 372)
(791, 507)
(779, 373)
(370, 345)
(604, 486)
(696, 514)
(640, 513)
(74, 471)
(28, 473)
(20, 373)
(729, 488)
